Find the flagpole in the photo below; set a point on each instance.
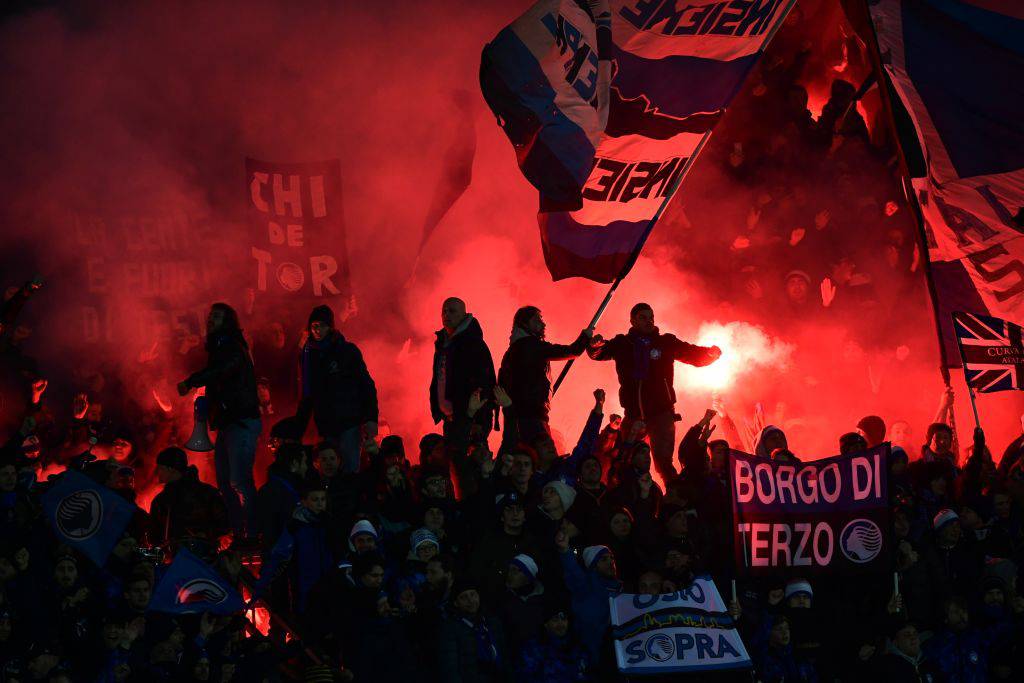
(636, 250)
(874, 51)
(970, 389)
(664, 204)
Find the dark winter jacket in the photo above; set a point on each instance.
(187, 508)
(960, 657)
(337, 389)
(229, 379)
(489, 560)
(526, 372)
(644, 364)
(473, 652)
(552, 660)
(303, 547)
(522, 615)
(590, 593)
(275, 503)
(462, 364)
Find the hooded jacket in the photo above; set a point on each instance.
(644, 365)
(187, 507)
(526, 371)
(462, 364)
(229, 378)
(337, 389)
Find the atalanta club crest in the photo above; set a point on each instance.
(655, 354)
(79, 515)
(202, 591)
(861, 541)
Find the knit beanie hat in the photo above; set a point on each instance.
(943, 518)
(392, 445)
(323, 314)
(593, 553)
(174, 458)
(421, 536)
(936, 427)
(874, 429)
(526, 565)
(566, 493)
(797, 586)
(363, 526)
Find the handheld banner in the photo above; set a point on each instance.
(689, 630)
(803, 519)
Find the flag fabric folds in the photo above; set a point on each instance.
(955, 67)
(87, 516)
(190, 586)
(603, 175)
(991, 350)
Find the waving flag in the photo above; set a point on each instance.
(190, 586)
(956, 66)
(87, 516)
(604, 179)
(992, 352)
(545, 77)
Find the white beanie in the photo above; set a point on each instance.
(363, 526)
(566, 493)
(798, 586)
(592, 553)
(526, 565)
(943, 518)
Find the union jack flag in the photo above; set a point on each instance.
(992, 352)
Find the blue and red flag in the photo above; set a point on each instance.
(190, 586)
(604, 165)
(955, 68)
(86, 516)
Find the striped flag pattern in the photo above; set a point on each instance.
(675, 67)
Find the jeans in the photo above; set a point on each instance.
(661, 430)
(349, 445)
(233, 458)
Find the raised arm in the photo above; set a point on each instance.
(684, 352)
(562, 352)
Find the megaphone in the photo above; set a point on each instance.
(200, 439)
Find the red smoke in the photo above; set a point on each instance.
(126, 131)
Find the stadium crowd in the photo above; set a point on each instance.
(476, 566)
(369, 557)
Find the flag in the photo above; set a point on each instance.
(682, 632)
(954, 67)
(991, 351)
(545, 76)
(87, 516)
(190, 586)
(676, 67)
(828, 516)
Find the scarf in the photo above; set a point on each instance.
(307, 362)
(486, 652)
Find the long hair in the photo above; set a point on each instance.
(521, 321)
(231, 325)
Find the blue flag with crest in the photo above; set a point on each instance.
(190, 586)
(86, 515)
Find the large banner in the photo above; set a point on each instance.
(144, 275)
(298, 229)
(802, 519)
(606, 158)
(681, 632)
(949, 62)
